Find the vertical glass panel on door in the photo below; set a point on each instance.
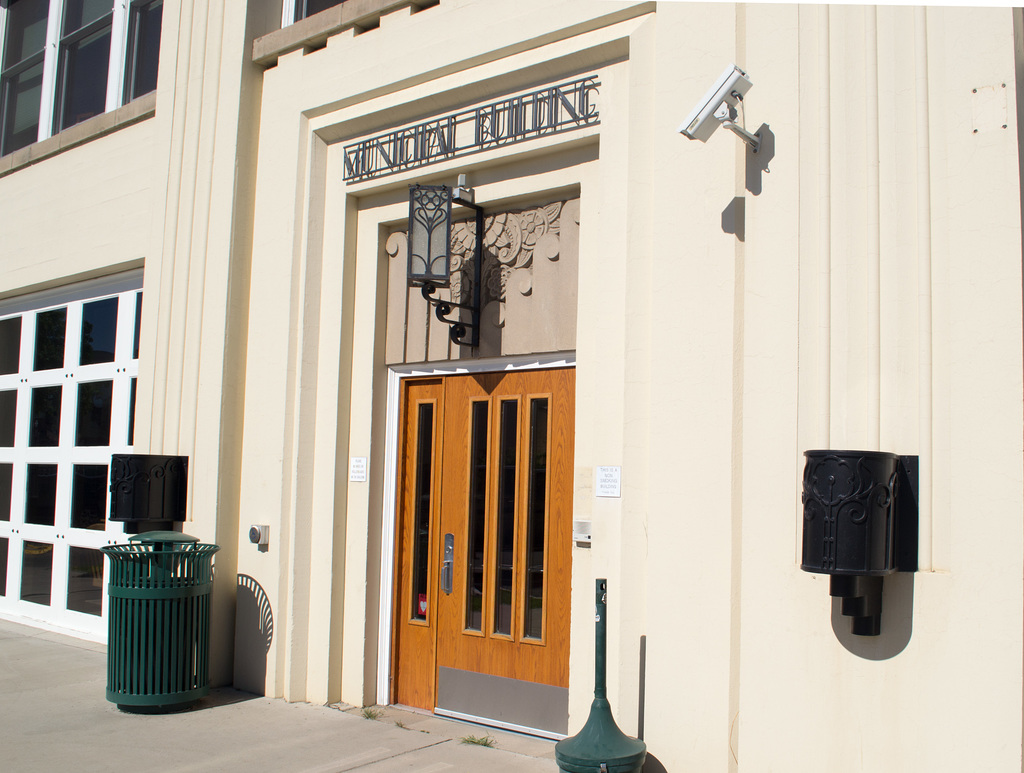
(421, 511)
(50, 331)
(85, 581)
(82, 79)
(36, 572)
(99, 331)
(21, 97)
(506, 516)
(26, 30)
(536, 512)
(88, 496)
(4, 547)
(8, 416)
(44, 420)
(477, 515)
(6, 480)
(10, 345)
(41, 494)
(93, 425)
(131, 414)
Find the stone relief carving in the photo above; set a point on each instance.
(513, 241)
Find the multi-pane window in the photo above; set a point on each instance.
(68, 366)
(63, 61)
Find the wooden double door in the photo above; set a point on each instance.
(484, 547)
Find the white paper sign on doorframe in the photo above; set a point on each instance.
(607, 481)
(357, 469)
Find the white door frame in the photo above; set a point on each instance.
(396, 374)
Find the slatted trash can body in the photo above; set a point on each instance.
(159, 621)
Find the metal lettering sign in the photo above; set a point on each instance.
(550, 110)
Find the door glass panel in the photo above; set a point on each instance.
(10, 344)
(85, 581)
(8, 412)
(94, 401)
(138, 326)
(41, 494)
(88, 496)
(6, 474)
(131, 414)
(536, 510)
(44, 426)
(99, 330)
(421, 511)
(4, 546)
(50, 329)
(477, 516)
(506, 521)
(36, 572)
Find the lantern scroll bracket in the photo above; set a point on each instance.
(429, 260)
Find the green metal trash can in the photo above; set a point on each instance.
(159, 621)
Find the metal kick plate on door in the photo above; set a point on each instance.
(448, 566)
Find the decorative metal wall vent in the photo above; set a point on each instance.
(147, 487)
(860, 524)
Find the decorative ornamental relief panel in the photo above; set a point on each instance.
(528, 296)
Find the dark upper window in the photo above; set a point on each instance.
(101, 54)
(304, 8)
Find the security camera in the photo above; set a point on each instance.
(729, 89)
(259, 535)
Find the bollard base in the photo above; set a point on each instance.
(600, 747)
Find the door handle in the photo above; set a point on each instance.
(448, 565)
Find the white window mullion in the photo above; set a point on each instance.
(288, 13)
(3, 30)
(49, 86)
(118, 48)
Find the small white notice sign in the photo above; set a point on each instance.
(607, 481)
(357, 469)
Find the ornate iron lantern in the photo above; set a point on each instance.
(430, 228)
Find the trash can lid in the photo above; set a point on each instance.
(163, 536)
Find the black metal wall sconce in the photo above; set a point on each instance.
(860, 525)
(430, 226)
(148, 491)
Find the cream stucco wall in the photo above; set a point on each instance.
(874, 301)
(80, 214)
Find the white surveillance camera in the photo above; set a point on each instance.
(729, 89)
(259, 535)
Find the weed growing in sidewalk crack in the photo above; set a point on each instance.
(372, 712)
(476, 740)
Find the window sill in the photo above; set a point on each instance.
(137, 110)
(311, 33)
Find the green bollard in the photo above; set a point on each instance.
(600, 747)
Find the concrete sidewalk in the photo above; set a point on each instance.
(55, 716)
